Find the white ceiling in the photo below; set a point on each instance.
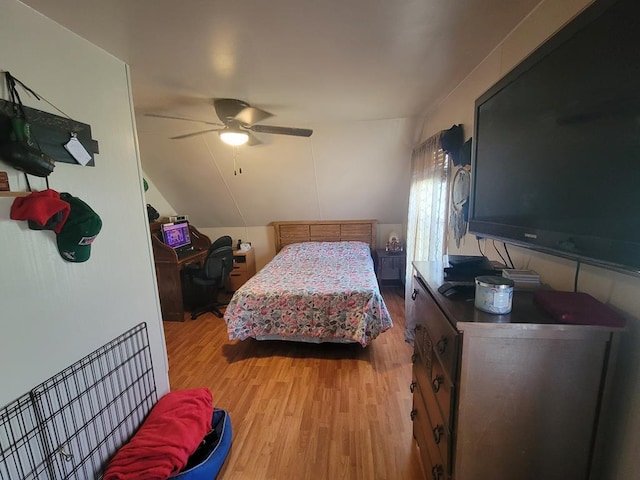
(312, 63)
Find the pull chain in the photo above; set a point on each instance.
(235, 161)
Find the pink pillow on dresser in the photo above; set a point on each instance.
(577, 308)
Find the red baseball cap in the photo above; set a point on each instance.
(44, 210)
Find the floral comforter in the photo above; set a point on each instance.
(313, 292)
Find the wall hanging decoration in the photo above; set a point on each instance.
(459, 215)
(49, 138)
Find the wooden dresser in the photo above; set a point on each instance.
(503, 397)
(244, 267)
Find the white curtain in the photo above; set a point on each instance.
(428, 207)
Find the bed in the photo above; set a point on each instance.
(320, 287)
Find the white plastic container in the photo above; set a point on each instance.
(494, 294)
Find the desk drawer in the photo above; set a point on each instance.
(240, 264)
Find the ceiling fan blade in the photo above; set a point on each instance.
(228, 108)
(253, 140)
(296, 132)
(173, 117)
(251, 115)
(187, 135)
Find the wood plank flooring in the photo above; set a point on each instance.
(305, 411)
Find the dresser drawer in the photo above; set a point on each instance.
(244, 267)
(438, 396)
(423, 349)
(438, 431)
(431, 379)
(239, 264)
(441, 429)
(423, 431)
(443, 390)
(444, 336)
(237, 279)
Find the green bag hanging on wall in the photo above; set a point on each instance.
(21, 150)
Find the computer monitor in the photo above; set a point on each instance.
(176, 235)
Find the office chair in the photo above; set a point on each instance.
(213, 274)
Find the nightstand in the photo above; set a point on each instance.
(244, 267)
(389, 266)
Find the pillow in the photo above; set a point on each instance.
(170, 434)
(577, 308)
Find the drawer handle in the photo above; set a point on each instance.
(414, 294)
(437, 472)
(436, 382)
(442, 345)
(413, 386)
(438, 432)
(413, 414)
(414, 358)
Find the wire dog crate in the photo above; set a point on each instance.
(69, 426)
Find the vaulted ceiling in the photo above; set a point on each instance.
(360, 73)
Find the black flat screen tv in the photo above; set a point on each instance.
(556, 144)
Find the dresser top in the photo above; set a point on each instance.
(525, 313)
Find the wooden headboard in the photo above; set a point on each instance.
(325, 231)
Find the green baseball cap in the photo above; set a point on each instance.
(79, 231)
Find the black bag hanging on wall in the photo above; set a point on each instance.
(21, 150)
(152, 213)
(451, 141)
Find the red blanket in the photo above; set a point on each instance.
(171, 433)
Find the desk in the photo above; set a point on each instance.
(168, 268)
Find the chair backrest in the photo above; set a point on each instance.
(224, 241)
(219, 264)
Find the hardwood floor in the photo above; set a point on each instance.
(305, 411)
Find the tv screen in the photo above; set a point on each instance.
(556, 157)
(176, 235)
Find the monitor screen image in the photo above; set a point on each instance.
(176, 235)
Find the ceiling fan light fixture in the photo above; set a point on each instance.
(232, 136)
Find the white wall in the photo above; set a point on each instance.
(620, 433)
(346, 170)
(262, 238)
(55, 312)
(154, 197)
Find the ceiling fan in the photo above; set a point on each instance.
(238, 119)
